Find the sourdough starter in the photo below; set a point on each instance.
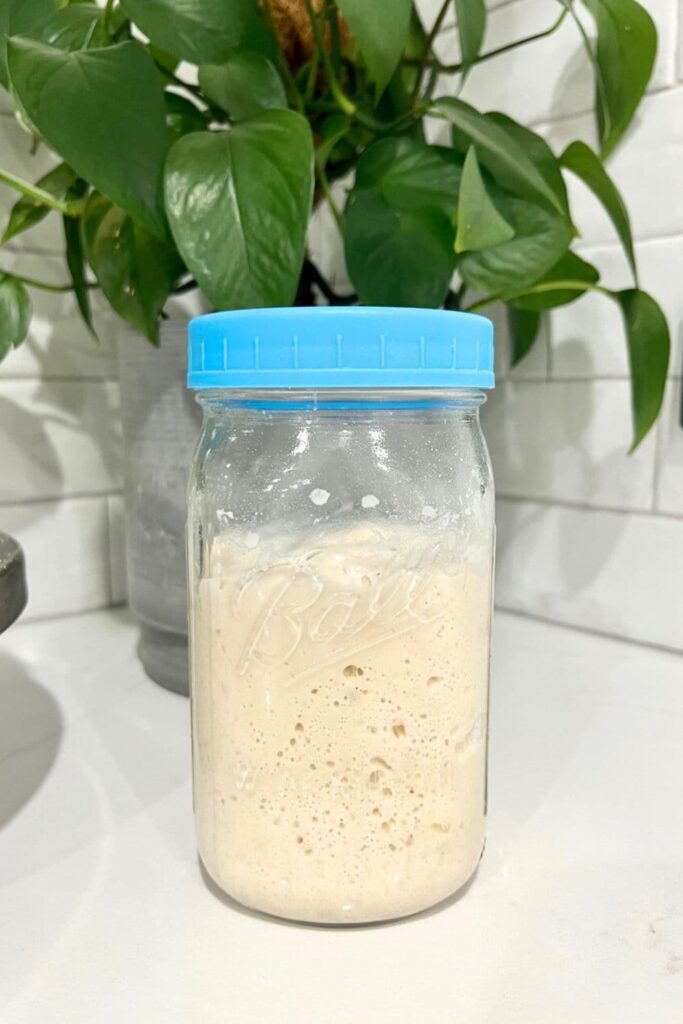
(339, 721)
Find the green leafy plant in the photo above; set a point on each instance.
(194, 149)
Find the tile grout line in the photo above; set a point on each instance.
(659, 90)
(19, 378)
(582, 506)
(28, 620)
(615, 246)
(575, 379)
(108, 553)
(545, 328)
(659, 444)
(567, 380)
(581, 246)
(502, 495)
(29, 250)
(59, 499)
(605, 634)
(38, 620)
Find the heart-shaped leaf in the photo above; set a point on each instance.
(471, 24)
(243, 85)
(480, 225)
(540, 239)
(540, 153)
(524, 325)
(69, 28)
(332, 130)
(238, 204)
(411, 175)
(399, 223)
(75, 257)
(21, 18)
(582, 161)
(27, 212)
(647, 334)
(569, 268)
(416, 42)
(117, 140)
(135, 270)
(202, 31)
(397, 257)
(512, 166)
(15, 313)
(381, 31)
(624, 57)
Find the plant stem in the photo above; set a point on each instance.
(431, 83)
(312, 76)
(452, 69)
(322, 107)
(424, 59)
(106, 17)
(410, 115)
(588, 45)
(332, 17)
(40, 196)
(313, 276)
(538, 289)
(186, 286)
(290, 82)
(454, 299)
(344, 102)
(325, 186)
(42, 285)
(528, 39)
(293, 93)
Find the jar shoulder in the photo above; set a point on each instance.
(409, 468)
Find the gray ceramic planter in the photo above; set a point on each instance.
(161, 423)
(13, 592)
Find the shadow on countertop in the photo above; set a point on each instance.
(30, 736)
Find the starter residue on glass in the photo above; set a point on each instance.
(339, 713)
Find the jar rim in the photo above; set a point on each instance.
(345, 399)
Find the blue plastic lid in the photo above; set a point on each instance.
(340, 347)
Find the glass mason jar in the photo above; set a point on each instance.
(340, 543)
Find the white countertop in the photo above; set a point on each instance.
(575, 917)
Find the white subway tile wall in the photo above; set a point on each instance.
(608, 571)
(646, 166)
(587, 339)
(61, 438)
(566, 441)
(66, 543)
(59, 419)
(534, 366)
(550, 78)
(669, 476)
(587, 534)
(117, 550)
